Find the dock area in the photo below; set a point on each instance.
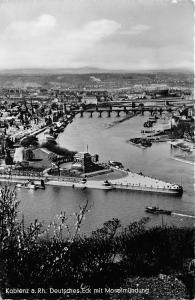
(128, 181)
(117, 179)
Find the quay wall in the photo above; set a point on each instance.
(144, 188)
(18, 178)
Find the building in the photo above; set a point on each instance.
(89, 100)
(84, 162)
(19, 155)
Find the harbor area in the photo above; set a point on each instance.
(110, 178)
(119, 179)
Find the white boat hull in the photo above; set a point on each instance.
(29, 187)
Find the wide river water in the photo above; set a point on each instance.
(110, 143)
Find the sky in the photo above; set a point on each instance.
(107, 34)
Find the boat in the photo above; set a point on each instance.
(148, 124)
(107, 185)
(157, 210)
(31, 185)
(41, 186)
(27, 185)
(84, 180)
(115, 164)
(146, 143)
(143, 142)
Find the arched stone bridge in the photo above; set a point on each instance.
(118, 110)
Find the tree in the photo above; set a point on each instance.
(30, 141)
(111, 257)
(52, 157)
(9, 143)
(8, 158)
(183, 128)
(27, 255)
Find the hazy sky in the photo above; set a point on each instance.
(109, 34)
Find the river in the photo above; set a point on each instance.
(110, 143)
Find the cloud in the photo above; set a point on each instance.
(107, 33)
(136, 29)
(29, 29)
(95, 31)
(45, 42)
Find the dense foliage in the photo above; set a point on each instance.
(30, 140)
(57, 149)
(183, 129)
(111, 256)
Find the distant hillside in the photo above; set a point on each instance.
(85, 70)
(105, 80)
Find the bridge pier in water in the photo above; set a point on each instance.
(100, 114)
(91, 114)
(109, 113)
(118, 113)
(81, 114)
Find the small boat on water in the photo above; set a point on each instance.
(107, 185)
(115, 164)
(141, 142)
(31, 185)
(27, 185)
(157, 210)
(148, 124)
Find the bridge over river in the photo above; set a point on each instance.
(139, 106)
(125, 109)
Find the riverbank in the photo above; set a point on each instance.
(115, 179)
(183, 145)
(127, 180)
(33, 131)
(127, 205)
(183, 160)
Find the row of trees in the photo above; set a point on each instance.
(57, 149)
(59, 256)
